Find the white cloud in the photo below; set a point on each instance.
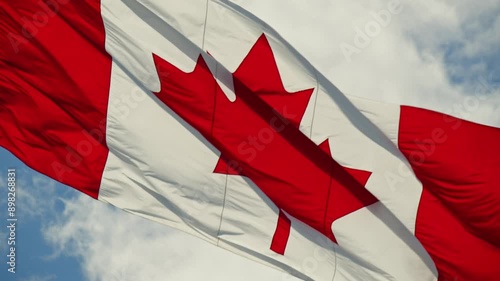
(31, 187)
(113, 245)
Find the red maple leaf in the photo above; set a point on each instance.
(259, 138)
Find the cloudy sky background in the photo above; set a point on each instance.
(441, 55)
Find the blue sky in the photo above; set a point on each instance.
(35, 259)
(434, 54)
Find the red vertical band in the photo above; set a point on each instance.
(54, 88)
(458, 163)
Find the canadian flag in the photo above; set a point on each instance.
(197, 115)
